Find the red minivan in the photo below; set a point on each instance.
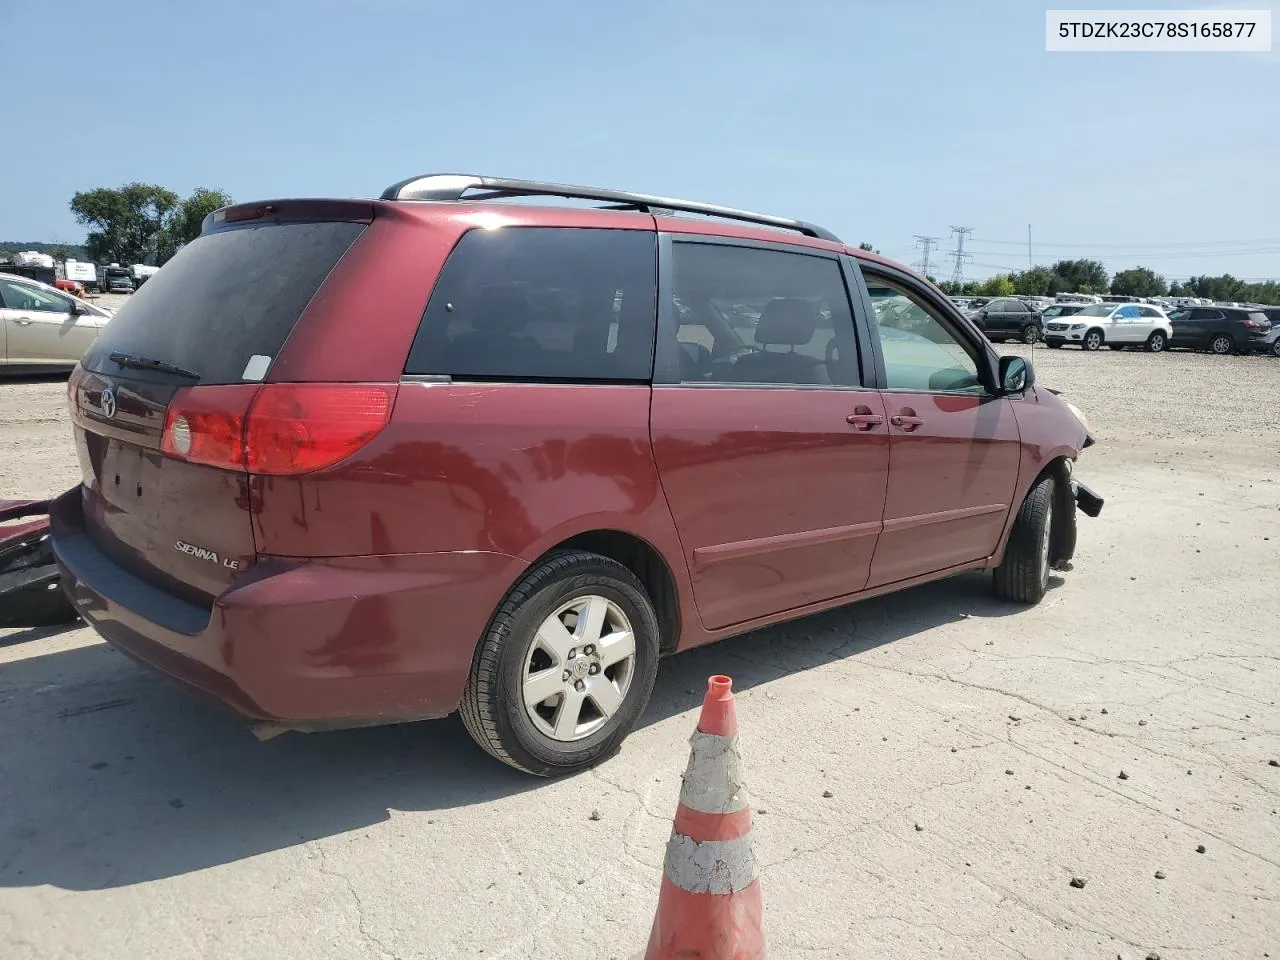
(354, 461)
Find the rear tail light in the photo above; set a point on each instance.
(276, 429)
(206, 425)
(296, 428)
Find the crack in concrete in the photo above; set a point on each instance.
(361, 919)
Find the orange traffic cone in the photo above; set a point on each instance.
(709, 906)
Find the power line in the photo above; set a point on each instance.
(1171, 244)
(959, 256)
(1130, 257)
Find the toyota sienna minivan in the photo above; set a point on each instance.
(362, 461)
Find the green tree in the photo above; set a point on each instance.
(1036, 282)
(998, 286)
(1081, 276)
(867, 247)
(125, 223)
(1139, 282)
(184, 225)
(141, 222)
(1225, 287)
(60, 252)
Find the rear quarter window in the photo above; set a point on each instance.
(542, 303)
(227, 297)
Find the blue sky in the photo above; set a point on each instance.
(879, 120)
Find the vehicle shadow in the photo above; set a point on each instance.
(11, 637)
(111, 776)
(18, 375)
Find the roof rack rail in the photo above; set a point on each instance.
(454, 186)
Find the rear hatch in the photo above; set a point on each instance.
(172, 507)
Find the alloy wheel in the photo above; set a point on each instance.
(1221, 344)
(578, 668)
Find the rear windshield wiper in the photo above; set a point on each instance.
(146, 363)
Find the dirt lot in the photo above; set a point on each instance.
(973, 753)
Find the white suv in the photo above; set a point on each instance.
(1117, 325)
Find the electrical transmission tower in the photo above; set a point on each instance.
(926, 244)
(958, 255)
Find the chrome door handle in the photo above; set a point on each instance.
(23, 322)
(906, 422)
(864, 421)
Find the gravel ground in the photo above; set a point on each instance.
(972, 752)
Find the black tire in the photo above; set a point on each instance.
(492, 706)
(1023, 574)
(1156, 343)
(1093, 340)
(1030, 333)
(1222, 345)
(1275, 348)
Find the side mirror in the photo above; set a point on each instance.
(79, 310)
(1016, 374)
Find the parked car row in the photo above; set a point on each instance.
(1117, 323)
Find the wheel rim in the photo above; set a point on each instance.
(1044, 546)
(1221, 345)
(1157, 343)
(1093, 341)
(578, 668)
(1030, 335)
(1275, 348)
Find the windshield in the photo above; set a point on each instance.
(1097, 310)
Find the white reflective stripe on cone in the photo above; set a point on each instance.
(714, 781)
(715, 866)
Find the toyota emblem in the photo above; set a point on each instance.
(108, 403)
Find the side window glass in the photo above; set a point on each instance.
(920, 350)
(542, 303)
(747, 315)
(19, 297)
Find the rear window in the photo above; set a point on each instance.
(542, 303)
(226, 298)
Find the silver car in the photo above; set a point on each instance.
(42, 328)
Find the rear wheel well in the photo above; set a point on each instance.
(649, 567)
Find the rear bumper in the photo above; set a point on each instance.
(1264, 343)
(323, 642)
